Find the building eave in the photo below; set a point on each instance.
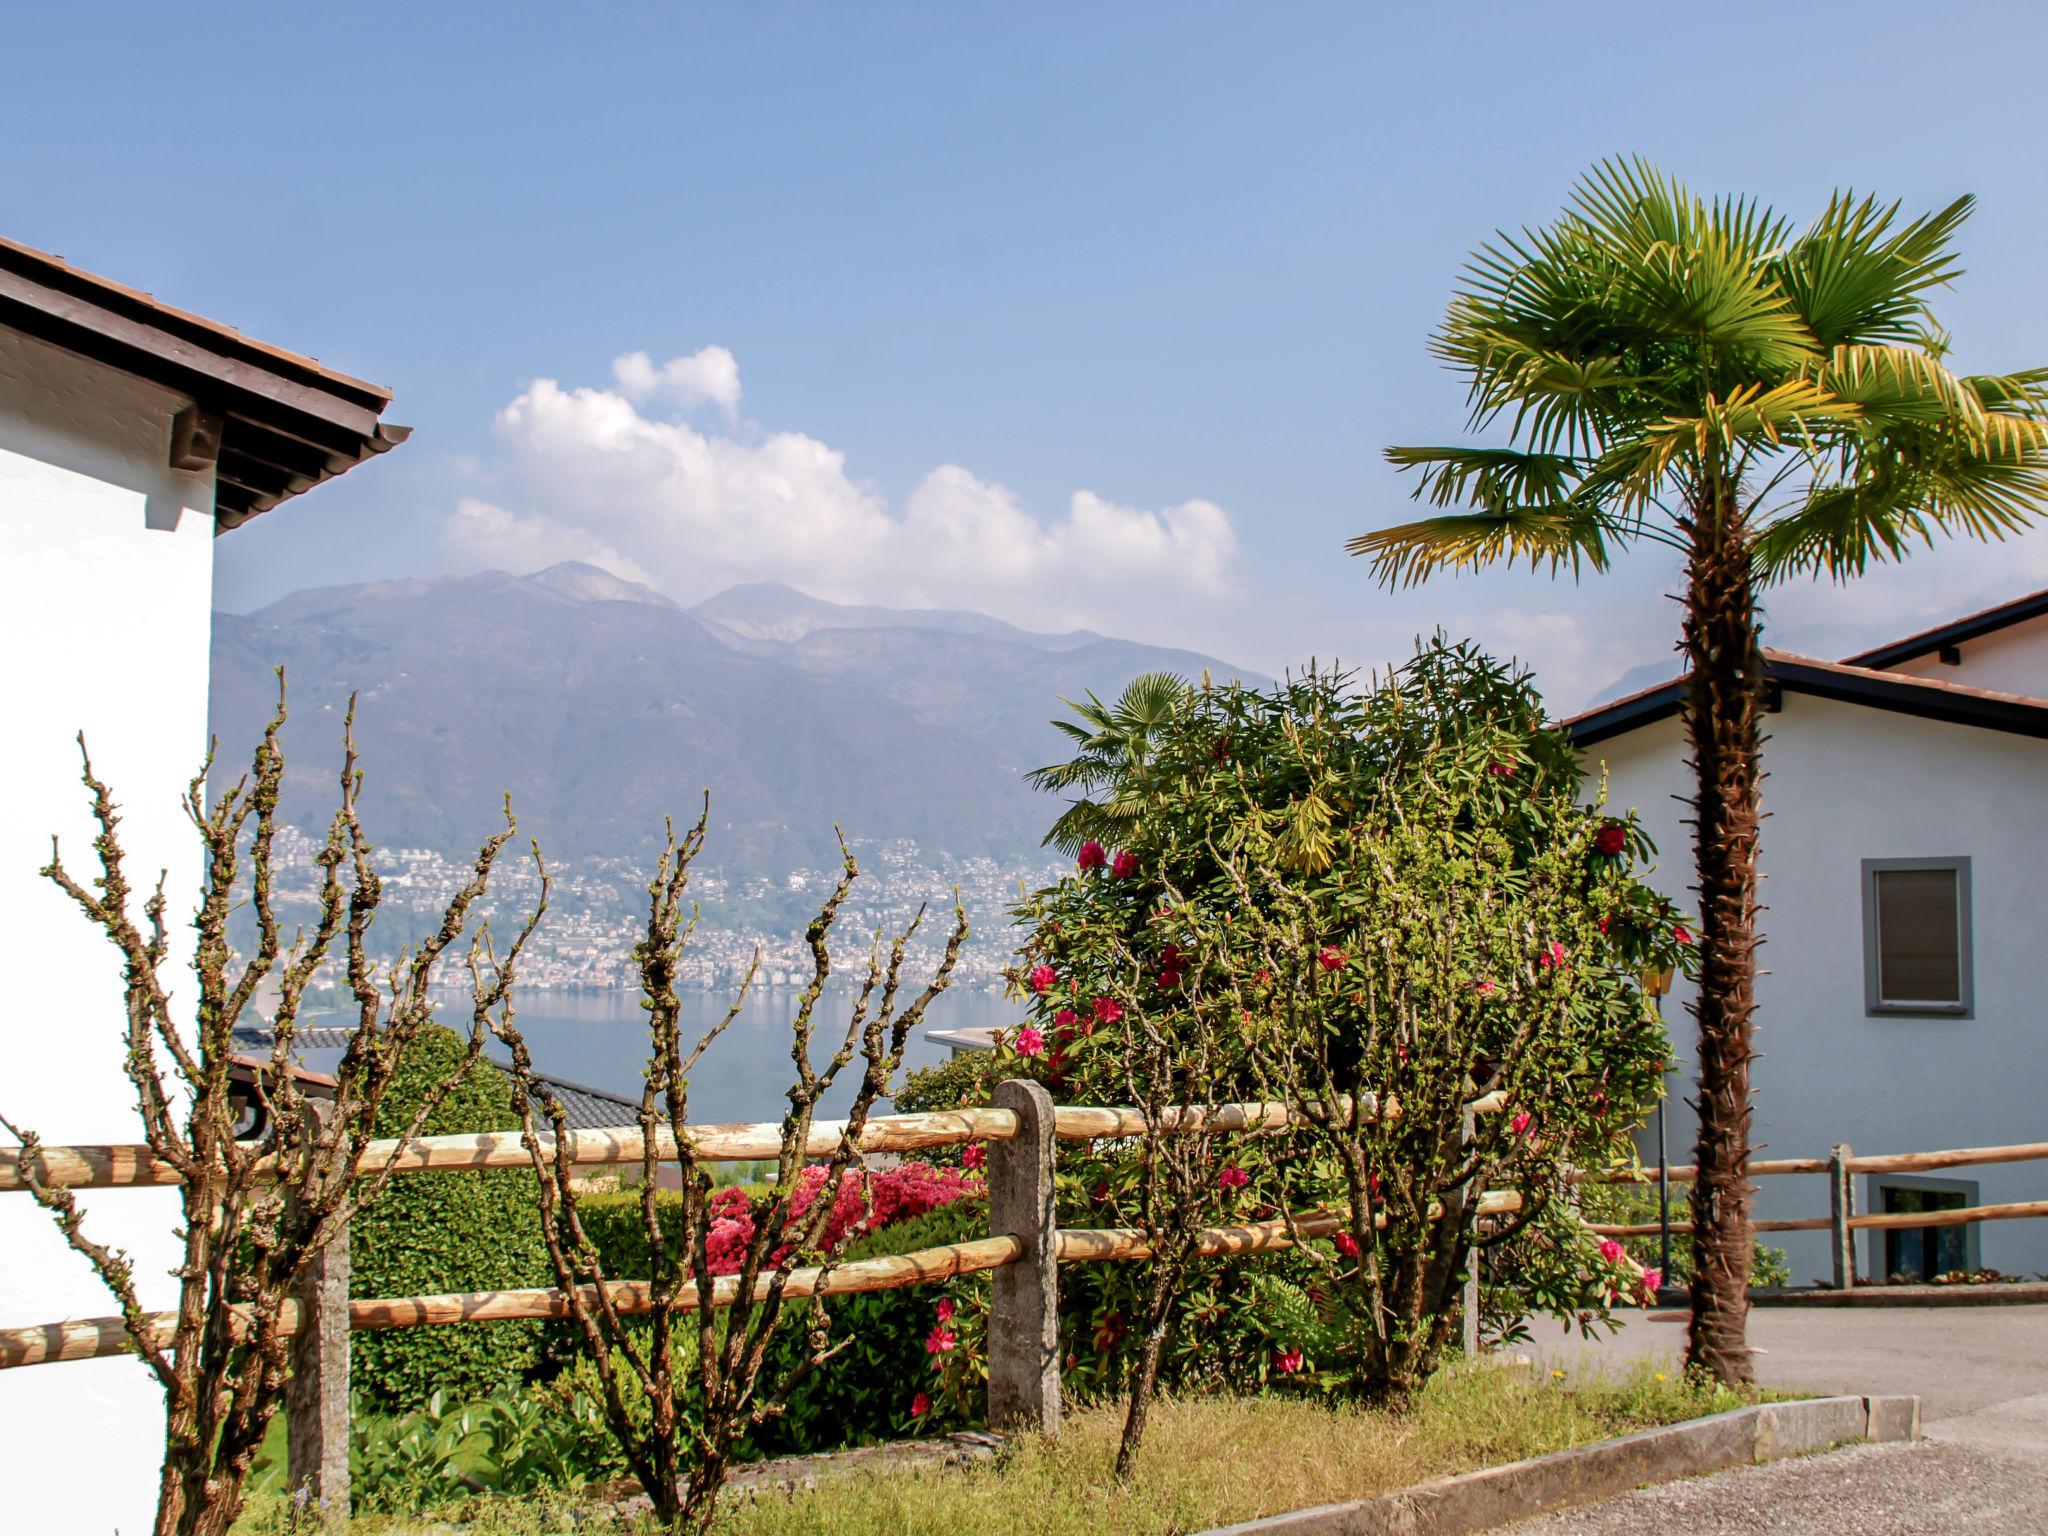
(287, 422)
(1973, 626)
(1922, 698)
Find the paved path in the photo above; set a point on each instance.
(1982, 1377)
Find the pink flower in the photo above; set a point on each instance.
(1681, 935)
(1042, 978)
(1484, 989)
(1124, 865)
(975, 1156)
(1347, 1245)
(940, 1341)
(1653, 1282)
(1091, 856)
(920, 1405)
(1233, 1177)
(1287, 1362)
(1610, 840)
(1553, 956)
(1610, 1250)
(1030, 1042)
(945, 1309)
(1520, 1123)
(1066, 1018)
(1108, 1010)
(1501, 770)
(1331, 958)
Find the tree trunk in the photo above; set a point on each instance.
(1145, 1381)
(1724, 700)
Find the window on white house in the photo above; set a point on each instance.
(1916, 936)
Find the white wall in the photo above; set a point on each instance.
(2010, 660)
(106, 566)
(1846, 783)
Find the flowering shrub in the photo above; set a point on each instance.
(867, 1203)
(1390, 897)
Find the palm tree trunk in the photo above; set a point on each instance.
(1724, 701)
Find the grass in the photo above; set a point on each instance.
(1207, 1462)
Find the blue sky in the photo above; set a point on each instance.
(1073, 313)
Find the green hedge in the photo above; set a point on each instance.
(434, 1232)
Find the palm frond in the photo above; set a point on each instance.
(1852, 278)
(1558, 535)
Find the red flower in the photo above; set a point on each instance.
(974, 1156)
(1108, 1010)
(920, 1405)
(1124, 865)
(1168, 980)
(1552, 957)
(1233, 1177)
(1501, 770)
(940, 1341)
(1484, 988)
(945, 1309)
(1347, 1245)
(1610, 1250)
(1066, 1018)
(1331, 958)
(1042, 978)
(1091, 856)
(1611, 840)
(1030, 1042)
(1603, 924)
(1681, 935)
(1287, 1362)
(1520, 1123)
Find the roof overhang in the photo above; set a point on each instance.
(1925, 698)
(285, 423)
(1956, 632)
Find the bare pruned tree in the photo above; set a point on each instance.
(255, 1213)
(700, 1358)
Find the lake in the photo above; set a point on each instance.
(599, 1039)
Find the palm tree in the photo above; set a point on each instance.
(1114, 743)
(1765, 402)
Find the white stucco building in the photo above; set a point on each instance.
(131, 435)
(1905, 862)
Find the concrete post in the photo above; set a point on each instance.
(1024, 1322)
(316, 1395)
(1841, 1206)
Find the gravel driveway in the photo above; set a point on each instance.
(1982, 1470)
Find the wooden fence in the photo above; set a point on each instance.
(1841, 1167)
(1023, 1249)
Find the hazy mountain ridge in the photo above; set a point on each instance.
(603, 706)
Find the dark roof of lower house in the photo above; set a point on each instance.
(1927, 698)
(587, 1108)
(285, 423)
(1972, 626)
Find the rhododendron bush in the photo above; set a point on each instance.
(1380, 904)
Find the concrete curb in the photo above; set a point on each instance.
(1480, 1501)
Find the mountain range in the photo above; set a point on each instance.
(602, 706)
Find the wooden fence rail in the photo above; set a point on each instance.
(1023, 1249)
(135, 1166)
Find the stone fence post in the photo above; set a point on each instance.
(1024, 1321)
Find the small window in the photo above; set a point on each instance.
(1916, 936)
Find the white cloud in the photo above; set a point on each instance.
(708, 376)
(600, 475)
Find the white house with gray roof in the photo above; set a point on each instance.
(1905, 861)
